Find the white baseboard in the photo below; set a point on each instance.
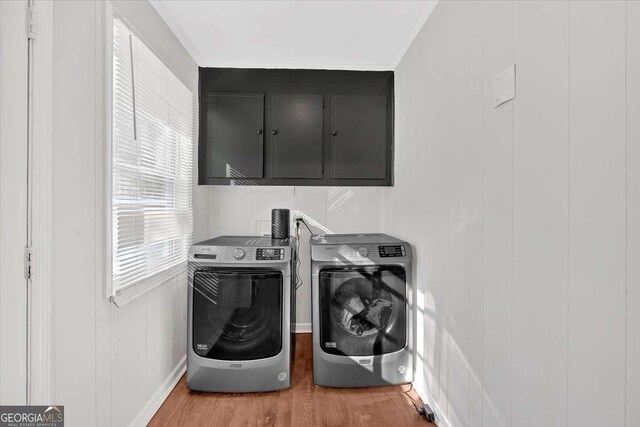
(158, 398)
(302, 328)
(441, 419)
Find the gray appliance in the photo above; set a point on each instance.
(361, 300)
(240, 314)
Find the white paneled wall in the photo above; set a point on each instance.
(497, 252)
(74, 226)
(597, 223)
(540, 212)
(525, 218)
(633, 214)
(13, 204)
(246, 210)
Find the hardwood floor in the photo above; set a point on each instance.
(302, 405)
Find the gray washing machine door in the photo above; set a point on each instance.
(363, 310)
(237, 314)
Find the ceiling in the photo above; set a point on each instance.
(349, 35)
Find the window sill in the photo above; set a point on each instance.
(124, 296)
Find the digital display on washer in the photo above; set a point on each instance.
(391, 251)
(270, 254)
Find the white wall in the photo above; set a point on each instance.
(110, 362)
(526, 217)
(13, 203)
(246, 210)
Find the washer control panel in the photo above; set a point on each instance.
(269, 254)
(391, 251)
(360, 254)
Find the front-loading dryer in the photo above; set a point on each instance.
(240, 314)
(361, 301)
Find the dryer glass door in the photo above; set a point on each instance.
(363, 310)
(237, 314)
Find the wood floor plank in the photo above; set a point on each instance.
(303, 405)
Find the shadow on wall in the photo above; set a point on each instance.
(310, 221)
(338, 197)
(426, 377)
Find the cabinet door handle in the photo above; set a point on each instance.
(274, 132)
(334, 133)
(259, 132)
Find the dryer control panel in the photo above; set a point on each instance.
(391, 251)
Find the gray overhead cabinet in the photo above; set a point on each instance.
(296, 136)
(295, 127)
(358, 136)
(235, 135)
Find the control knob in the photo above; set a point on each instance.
(362, 251)
(238, 254)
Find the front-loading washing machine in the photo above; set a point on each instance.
(240, 313)
(361, 301)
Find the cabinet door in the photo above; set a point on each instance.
(296, 136)
(358, 136)
(235, 135)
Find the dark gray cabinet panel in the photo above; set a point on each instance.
(296, 135)
(358, 136)
(235, 135)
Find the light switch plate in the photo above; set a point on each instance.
(504, 86)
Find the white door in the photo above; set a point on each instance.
(13, 202)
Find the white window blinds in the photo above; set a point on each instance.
(152, 164)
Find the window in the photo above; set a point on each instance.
(151, 165)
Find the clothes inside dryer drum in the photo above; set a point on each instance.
(379, 312)
(362, 310)
(361, 306)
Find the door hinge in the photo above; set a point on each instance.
(29, 262)
(32, 23)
